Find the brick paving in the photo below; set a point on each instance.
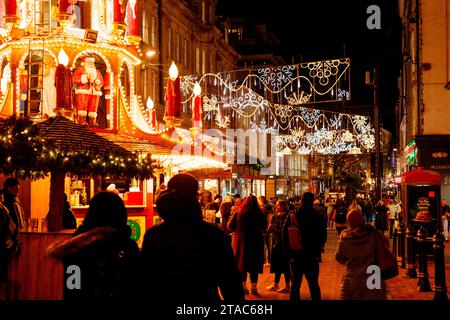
(399, 288)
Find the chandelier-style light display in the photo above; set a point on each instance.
(272, 100)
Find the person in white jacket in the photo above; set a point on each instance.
(394, 210)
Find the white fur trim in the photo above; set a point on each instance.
(83, 91)
(97, 93)
(82, 113)
(92, 114)
(84, 78)
(109, 117)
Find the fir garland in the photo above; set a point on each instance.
(24, 153)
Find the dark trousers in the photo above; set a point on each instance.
(287, 277)
(391, 227)
(253, 277)
(308, 266)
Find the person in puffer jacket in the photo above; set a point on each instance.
(356, 250)
(103, 250)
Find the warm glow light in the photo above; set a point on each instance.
(63, 58)
(197, 89)
(150, 104)
(173, 71)
(6, 78)
(150, 53)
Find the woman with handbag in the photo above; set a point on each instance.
(357, 249)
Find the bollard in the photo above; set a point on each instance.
(410, 254)
(440, 286)
(423, 285)
(401, 245)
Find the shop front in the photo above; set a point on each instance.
(433, 153)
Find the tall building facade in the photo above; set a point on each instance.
(185, 32)
(424, 106)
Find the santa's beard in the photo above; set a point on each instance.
(91, 72)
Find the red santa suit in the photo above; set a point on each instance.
(88, 82)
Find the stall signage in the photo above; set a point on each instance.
(122, 184)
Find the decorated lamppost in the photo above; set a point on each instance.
(172, 116)
(151, 114)
(11, 16)
(63, 83)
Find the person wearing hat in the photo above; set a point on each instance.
(356, 250)
(12, 203)
(88, 82)
(185, 258)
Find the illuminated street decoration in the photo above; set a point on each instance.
(276, 97)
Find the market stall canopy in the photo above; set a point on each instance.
(421, 177)
(70, 135)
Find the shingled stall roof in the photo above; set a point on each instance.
(70, 135)
(139, 145)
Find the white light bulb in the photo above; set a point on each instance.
(173, 71)
(150, 104)
(197, 89)
(63, 58)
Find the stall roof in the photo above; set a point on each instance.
(421, 177)
(68, 134)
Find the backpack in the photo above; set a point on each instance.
(341, 216)
(294, 234)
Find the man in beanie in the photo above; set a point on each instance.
(184, 258)
(356, 250)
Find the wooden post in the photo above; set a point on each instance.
(56, 208)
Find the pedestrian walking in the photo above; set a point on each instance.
(306, 261)
(248, 225)
(393, 211)
(102, 250)
(280, 261)
(381, 217)
(330, 210)
(340, 216)
(267, 209)
(185, 259)
(445, 221)
(7, 245)
(356, 250)
(225, 212)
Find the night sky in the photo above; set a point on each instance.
(319, 29)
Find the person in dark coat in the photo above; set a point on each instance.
(306, 261)
(69, 220)
(248, 225)
(280, 260)
(185, 259)
(11, 188)
(381, 217)
(103, 250)
(225, 211)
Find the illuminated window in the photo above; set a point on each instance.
(203, 61)
(169, 43)
(177, 43)
(204, 11)
(235, 34)
(153, 32)
(185, 47)
(197, 60)
(145, 27)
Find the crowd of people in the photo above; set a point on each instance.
(185, 258)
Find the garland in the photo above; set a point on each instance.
(25, 153)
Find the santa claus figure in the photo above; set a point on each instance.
(88, 83)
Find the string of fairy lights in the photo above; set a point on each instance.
(273, 100)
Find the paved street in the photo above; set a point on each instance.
(399, 288)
